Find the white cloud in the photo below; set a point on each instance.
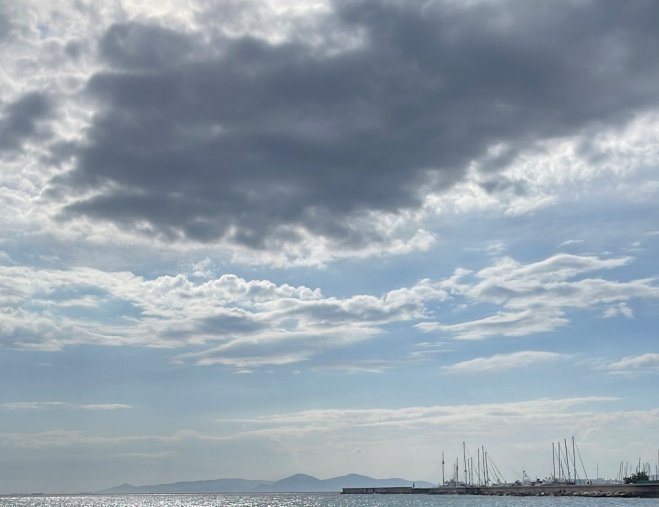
(105, 406)
(615, 160)
(521, 323)
(534, 297)
(377, 422)
(422, 353)
(20, 406)
(569, 242)
(621, 309)
(644, 363)
(499, 362)
(247, 323)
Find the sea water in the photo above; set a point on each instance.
(317, 500)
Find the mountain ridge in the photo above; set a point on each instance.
(297, 483)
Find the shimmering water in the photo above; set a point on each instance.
(317, 500)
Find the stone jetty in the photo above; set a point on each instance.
(591, 490)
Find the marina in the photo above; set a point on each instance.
(481, 476)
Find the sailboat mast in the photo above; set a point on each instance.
(567, 461)
(478, 456)
(464, 460)
(574, 460)
(443, 481)
(487, 468)
(553, 461)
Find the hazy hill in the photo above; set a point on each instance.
(209, 486)
(298, 483)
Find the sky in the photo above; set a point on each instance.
(256, 238)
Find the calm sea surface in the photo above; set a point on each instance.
(317, 500)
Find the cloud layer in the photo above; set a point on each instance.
(382, 433)
(20, 406)
(241, 323)
(207, 137)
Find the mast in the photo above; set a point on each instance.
(553, 461)
(487, 468)
(457, 471)
(574, 460)
(443, 481)
(464, 460)
(567, 461)
(470, 469)
(478, 453)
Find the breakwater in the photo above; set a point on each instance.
(591, 490)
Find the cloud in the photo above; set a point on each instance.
(533, 298)
(621, 309)
(522, 323)
(22, 120)
(59, 438)
(499, 362)
(5, 24)
(104, 406)
(412, 417)
(569, 242)
(411, 434)
(422, 352)
(209, 137)
(377, 422)
(228, 320)
(19, 406)
(644, 363)
(142, 47)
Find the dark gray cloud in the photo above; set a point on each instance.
(5, 26)
(141, 47)
(5, 21)
(22, 120)
(254, 136)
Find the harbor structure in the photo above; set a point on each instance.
(565, 479)
(639, 490)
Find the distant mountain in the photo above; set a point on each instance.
(299, 483)
(307, 483)
(209, 486)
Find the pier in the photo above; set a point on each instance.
(590, 490)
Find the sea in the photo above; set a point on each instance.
(316, 500)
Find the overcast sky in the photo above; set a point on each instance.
(255, 238)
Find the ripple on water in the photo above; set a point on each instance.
(316, 500)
